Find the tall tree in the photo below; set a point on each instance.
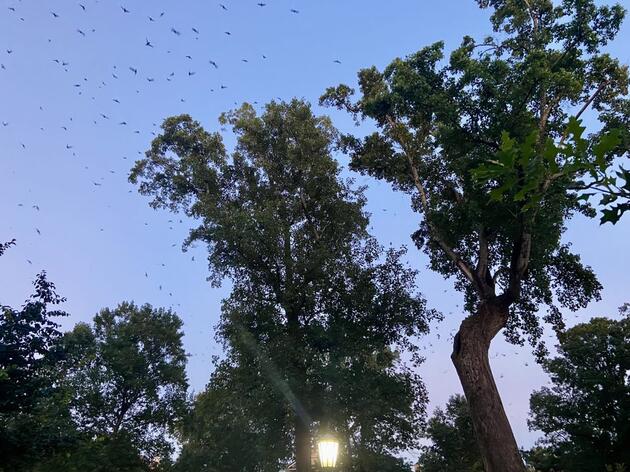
(239, 423)
(453, 448)
(34, 415)
(584, 414)
(289, 232)
(129, 381)
(482, 144)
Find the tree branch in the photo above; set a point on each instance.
(453, 255)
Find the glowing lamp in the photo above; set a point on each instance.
(328, 449)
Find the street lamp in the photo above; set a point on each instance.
(328, 448)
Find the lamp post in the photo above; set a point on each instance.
(328, 448)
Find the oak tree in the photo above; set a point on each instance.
(291, 235)
(483, 144)
(584, 412)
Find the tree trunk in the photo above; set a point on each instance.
(470, 355)
(302, 446)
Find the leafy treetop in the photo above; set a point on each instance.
(481, 144)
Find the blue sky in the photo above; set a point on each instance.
(75, 116)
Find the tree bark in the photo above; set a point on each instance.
(497, 445)
(302, 446)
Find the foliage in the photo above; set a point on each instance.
(584, 414)
(6, 245)
(100, 454)
(453, 447)
(237, 424)
(316, 307)
(128, 379)
(501, 103)
(34, 418)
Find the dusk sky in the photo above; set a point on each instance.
(85, 84)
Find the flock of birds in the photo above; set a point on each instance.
(53, 38)
(110, 98)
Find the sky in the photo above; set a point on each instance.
(84, 85)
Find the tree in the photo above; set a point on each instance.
(453, 448)
(291, 235)
(34, 415)
(584, 414)
(128, 381)
(483, 146)
(237, 424)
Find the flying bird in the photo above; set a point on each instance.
(148, 43)
(294, 10)
(173, 30)
(222, 6)
(134, 70)
(214, 64)
(196, 30)
(124, 9)
(82, 6)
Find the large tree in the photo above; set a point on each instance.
(34, 415)
(484, 146)
(453, 446)
(291, 235)
(584, 414)
(128, 380)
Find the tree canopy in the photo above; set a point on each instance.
(584, 413)
(453, 446)
(489, 145)
(128, 379)
(439, 121)
(316, 307)
(34, 419)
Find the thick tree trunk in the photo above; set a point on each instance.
(470, 355)
(302, 446)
